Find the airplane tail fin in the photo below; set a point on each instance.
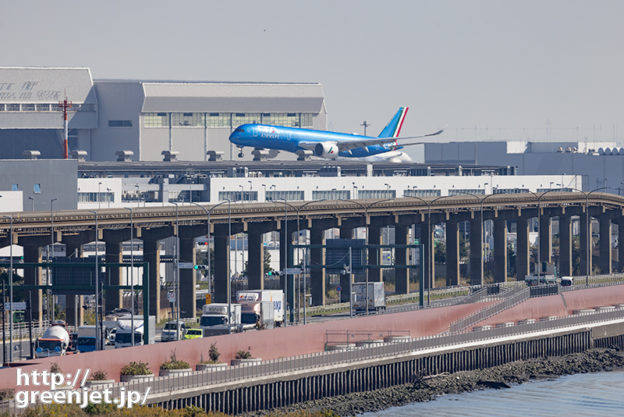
(393, 128)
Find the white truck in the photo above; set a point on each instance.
(54, 342)
(276, 297)
(258, 315)
(214, 319)
(376, 296)
(123, 337)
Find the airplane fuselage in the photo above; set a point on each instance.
(289, 139)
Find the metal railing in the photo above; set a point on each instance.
(334, 359)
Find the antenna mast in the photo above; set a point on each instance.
(65, 104)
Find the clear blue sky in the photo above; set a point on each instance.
(490, 63)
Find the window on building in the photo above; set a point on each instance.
(28, 107)
(13, 107)
(187, 119)
(459, 191)
(120, 123)
(42, 107)
(1, 107)
(284, 195)
(104, 197)
(376, 194)
(510, 190)
(238, 195)
(14, 187)
(37, 188)
(331, 195)
(421, 193)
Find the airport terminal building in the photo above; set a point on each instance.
(185, 118)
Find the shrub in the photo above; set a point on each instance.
(213, 353)
(99, 376)
(173, 363)
(136, 368)
(243, 354)
(55, 368)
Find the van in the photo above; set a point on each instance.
(567, 281)
(194, 333)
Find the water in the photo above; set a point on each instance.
(582, 395)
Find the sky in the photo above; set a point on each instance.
(481, 68)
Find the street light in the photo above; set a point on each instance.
(99, 199)
(11, 288)
(483, 237)
(97, 285)
(539, 229)
(131, 273)
(177, 272)
(32, 198)
(50, 307)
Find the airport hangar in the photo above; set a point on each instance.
(184, 118)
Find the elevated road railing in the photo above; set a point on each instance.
(206, 380)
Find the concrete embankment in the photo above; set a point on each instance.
(428, 388)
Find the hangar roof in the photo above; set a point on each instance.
(45, 84)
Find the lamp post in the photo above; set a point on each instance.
(97, 284)
(99, 199)
(177, 272)
(51, 248)
(483, 236)
(286, 204)
(539, 229)
(11, 288)
(32, 198)
(131, 273)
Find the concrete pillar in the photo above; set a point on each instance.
(523, 258)
(427, 240)
(287, 261)
(500, 249)
(222, 264)
(317, 258)
(74, 313)
(345, 279)
(476, 250)
(401, 275)
(621, 244)
(151, 255)
(32, 276)
(605, 243)
(452, 252)
(187, 277)
(255, 259)
(374, 254)
(545, 239)
(584, 240)
(565, 245)
(114, 254)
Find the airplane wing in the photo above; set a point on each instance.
(345, 145)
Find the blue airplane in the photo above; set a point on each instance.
(327, 144)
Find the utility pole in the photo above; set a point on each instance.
(365, 124)
(65, 105)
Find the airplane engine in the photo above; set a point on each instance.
(326, 150)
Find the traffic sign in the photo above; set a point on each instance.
(185, 265)
(208, 299)
(339, 288)
(171, 296)
(291, 271)
(16, 306)
(416, 241)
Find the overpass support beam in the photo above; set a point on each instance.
(621, 244)
(522, 248)
(114, 254)
(500, 249)
(401, 274)
(584, 239)
(151, 255)
(345, 279)
(452, 253)
(74, 313)
(33, 275)
(605, 243)
(545, 239)
(255, 260)
(317, 258)
(565, 245)
(286, 261)
(222, 280)
(476, 250)
(427, 240)
(374, 254)
(187, 277)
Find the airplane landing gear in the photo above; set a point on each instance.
(240, 153)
